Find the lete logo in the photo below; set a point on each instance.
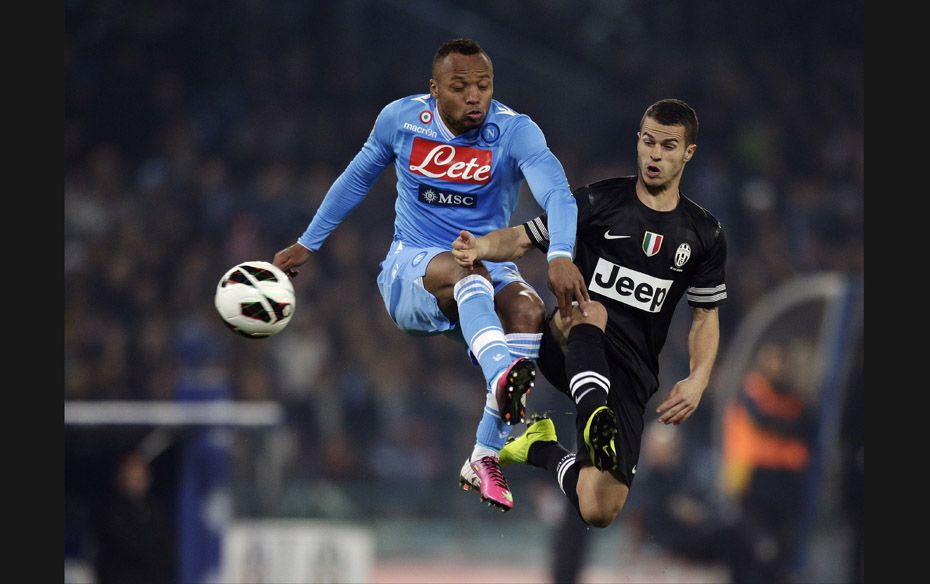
(447, 162)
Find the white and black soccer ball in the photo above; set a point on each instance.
(255, 299)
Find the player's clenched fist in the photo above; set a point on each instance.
(290, 258)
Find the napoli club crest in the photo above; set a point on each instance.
(490, 132)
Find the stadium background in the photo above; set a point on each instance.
(199, 135)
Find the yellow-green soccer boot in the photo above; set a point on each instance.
(517, 449)
(600, 434)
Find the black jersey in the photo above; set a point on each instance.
(638, 263)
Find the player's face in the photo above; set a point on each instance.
(463, 86)
(662, 154)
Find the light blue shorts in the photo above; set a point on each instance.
(414, 309)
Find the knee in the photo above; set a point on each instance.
(599, 513)
(523, 312)
(600, 497)
(528, 310)
(597, 315)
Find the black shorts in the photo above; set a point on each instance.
(622, 398)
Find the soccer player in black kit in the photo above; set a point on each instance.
(641, 245)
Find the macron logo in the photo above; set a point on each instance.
(420, 130)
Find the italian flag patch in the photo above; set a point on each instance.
(651, 243)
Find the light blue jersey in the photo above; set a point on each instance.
(447, 183)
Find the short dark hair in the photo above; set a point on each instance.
(674, 112)
(458, 46)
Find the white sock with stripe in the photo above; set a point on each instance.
(524, 345)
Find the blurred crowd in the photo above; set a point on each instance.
(199, 135)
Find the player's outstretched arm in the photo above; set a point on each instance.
(501, 245)
(703, 341)
(290, 258)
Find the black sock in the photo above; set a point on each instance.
(587, 371)
(553, 457)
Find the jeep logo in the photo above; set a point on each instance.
(629, 286)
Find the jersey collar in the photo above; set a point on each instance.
(444, 130)
(446, 133)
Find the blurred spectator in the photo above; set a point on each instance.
(766, 453)
(132, 531)
(676, 511)
(569, 547)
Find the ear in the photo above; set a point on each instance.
(433, 88)
(689, 152)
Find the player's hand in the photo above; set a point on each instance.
(290, 258)
(567, 283)
(465, 249)
(681, 401)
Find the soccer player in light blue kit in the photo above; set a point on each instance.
(460, 159)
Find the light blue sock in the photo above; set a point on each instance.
(492, 430)
(481, 327)
(524, 345)
(482, 330)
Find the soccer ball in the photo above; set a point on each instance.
(255, 299)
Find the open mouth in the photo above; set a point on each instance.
(653, 171)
